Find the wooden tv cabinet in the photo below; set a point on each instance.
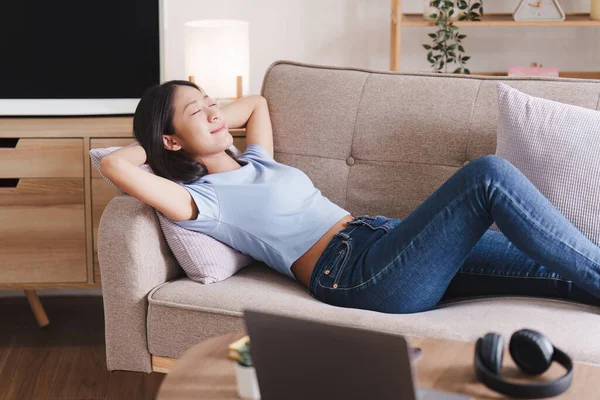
(51, 200)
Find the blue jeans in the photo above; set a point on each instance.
(444, 249)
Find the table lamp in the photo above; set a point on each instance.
(217, 57)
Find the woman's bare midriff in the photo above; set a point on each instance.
(303, 267)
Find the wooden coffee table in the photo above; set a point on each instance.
(205, 372)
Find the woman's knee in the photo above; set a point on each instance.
(493, 166)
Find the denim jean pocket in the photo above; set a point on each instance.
(373, 222)
(335, 264)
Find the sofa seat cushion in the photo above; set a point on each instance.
(183, 312)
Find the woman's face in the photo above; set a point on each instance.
(196, 117)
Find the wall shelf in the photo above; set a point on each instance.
(400, 20)
(491, 20)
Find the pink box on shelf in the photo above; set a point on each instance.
(533, 71)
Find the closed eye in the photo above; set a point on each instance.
(201, 109)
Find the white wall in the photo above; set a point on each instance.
(357, 33)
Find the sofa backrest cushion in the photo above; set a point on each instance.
(379, 142)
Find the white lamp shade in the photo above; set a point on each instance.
(216, 53)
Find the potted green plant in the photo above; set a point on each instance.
(446, 46)
(245, 375)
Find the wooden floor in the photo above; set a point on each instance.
(66, 359)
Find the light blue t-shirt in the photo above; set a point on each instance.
(265, 209)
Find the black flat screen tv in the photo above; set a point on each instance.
(78, 57)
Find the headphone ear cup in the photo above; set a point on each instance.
(492, 351)
(531, 351)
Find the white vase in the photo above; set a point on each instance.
(247, 383)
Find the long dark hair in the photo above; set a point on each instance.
(153, 118)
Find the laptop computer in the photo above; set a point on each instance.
(301, 359)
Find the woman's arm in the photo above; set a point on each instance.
(168, 197)
(251, 112)
(237, 113)
(134, 153)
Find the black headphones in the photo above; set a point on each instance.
(532, 352)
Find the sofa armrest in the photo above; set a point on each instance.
(134, 258)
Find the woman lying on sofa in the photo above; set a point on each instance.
(273, 212)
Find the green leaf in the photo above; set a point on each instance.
(244, 352)
(426, 46)
(441, 64)
(432, 35)
(462, 36)
(433, 16)
(452, 47)
(451, 53)
(438, 57)
(461, 49)
(457, 70)
(467, 71)
(475, 6)
(466, 58)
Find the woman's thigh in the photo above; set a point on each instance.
(409, 267)
(381, 264)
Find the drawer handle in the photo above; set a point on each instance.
(8, 143)
(9, 183)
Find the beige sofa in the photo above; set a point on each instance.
(374, 142)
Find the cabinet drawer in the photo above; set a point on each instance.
(108, 142)
(41, 158)
(42, 231)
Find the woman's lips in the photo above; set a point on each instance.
(219, 129)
